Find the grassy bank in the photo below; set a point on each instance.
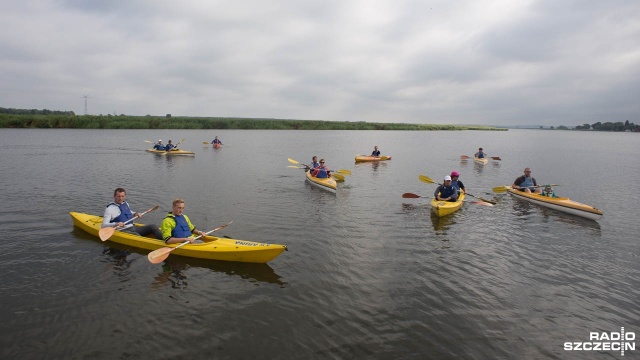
(157, 122)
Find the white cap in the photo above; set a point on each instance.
(159, 140)
(447, 178)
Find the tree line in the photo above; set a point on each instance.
(34, 112)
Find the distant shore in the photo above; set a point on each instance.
(177, 122)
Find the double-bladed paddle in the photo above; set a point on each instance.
(428, 180)
(505, 188)
(416, 196)
(159, 255)
(106, 233)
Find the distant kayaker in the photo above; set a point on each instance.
(321, 171)
(526, 183)
(375, 152)
(169, 146)
(480, 154)
(118, 212)
(216, 141)
(314, 164)
(446, 191)
(176, 227)
(455, 181)
(159, 145)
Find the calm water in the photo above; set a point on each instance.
(369, 275)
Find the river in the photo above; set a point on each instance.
(368, 274)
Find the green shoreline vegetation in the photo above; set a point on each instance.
(53, 119)
(66, 121)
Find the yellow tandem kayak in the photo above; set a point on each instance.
(213, 248)
(559, 203)
(172, 152)
(443, 208)
(328, 184)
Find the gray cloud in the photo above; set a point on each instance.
(470, 62)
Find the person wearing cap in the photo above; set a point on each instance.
(159, 146)
(455, 182)
(446, 191)
(321, 171)
(480, 154)
(526, 183)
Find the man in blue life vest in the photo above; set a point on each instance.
(526, 183)
(314, 164)
(176, 227)
(375, 151)
(446, 191)
(159, 146)
(216, 141)
(169, 146)
(480, 154)
(118, 212)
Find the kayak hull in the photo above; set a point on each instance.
(483, 161)
(362, 158)
(562, 204)
(217, 146)
(444, 208)
(213, 248)
(328, 184)
(172, 152)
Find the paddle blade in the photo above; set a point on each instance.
(205, 143)
(292, 161)
(106, 233)
(410, 196)
(159, 255)
(488, 201)
(481, 203)
(464, 157)
(496, 158)
(501, 189)
(343, 171)
(338, 177)
(426, 179)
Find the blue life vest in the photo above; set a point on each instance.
(454, 183)
(375, 153)
(182, 227)
(322, 173)
(315, 165)
(447, 191)
(125, 213)
(159, 147)
(169, 147)
(480, 155)
(527, 183)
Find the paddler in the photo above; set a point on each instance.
(526, 183)
(176, 227)
(446, 191)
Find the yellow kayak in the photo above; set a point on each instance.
(364, 158)
(559, 203)
(328, 184)
(483, 161)
(442, 208)
(213, 248)
(172, 152)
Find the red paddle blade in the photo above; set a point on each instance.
(410, 196)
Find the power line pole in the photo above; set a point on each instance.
(85, 103)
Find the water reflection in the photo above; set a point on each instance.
(174, 269)
(442, 224)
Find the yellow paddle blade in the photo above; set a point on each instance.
(382, 157)
(426, 179)
(205, 143)
(338, 176)
(343, 171)
(106, 233)
(293, 161)
(158, 256)
(501, 189)
(150, 142)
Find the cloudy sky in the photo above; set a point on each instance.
(501, 62)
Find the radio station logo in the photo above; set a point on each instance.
(605, 341)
